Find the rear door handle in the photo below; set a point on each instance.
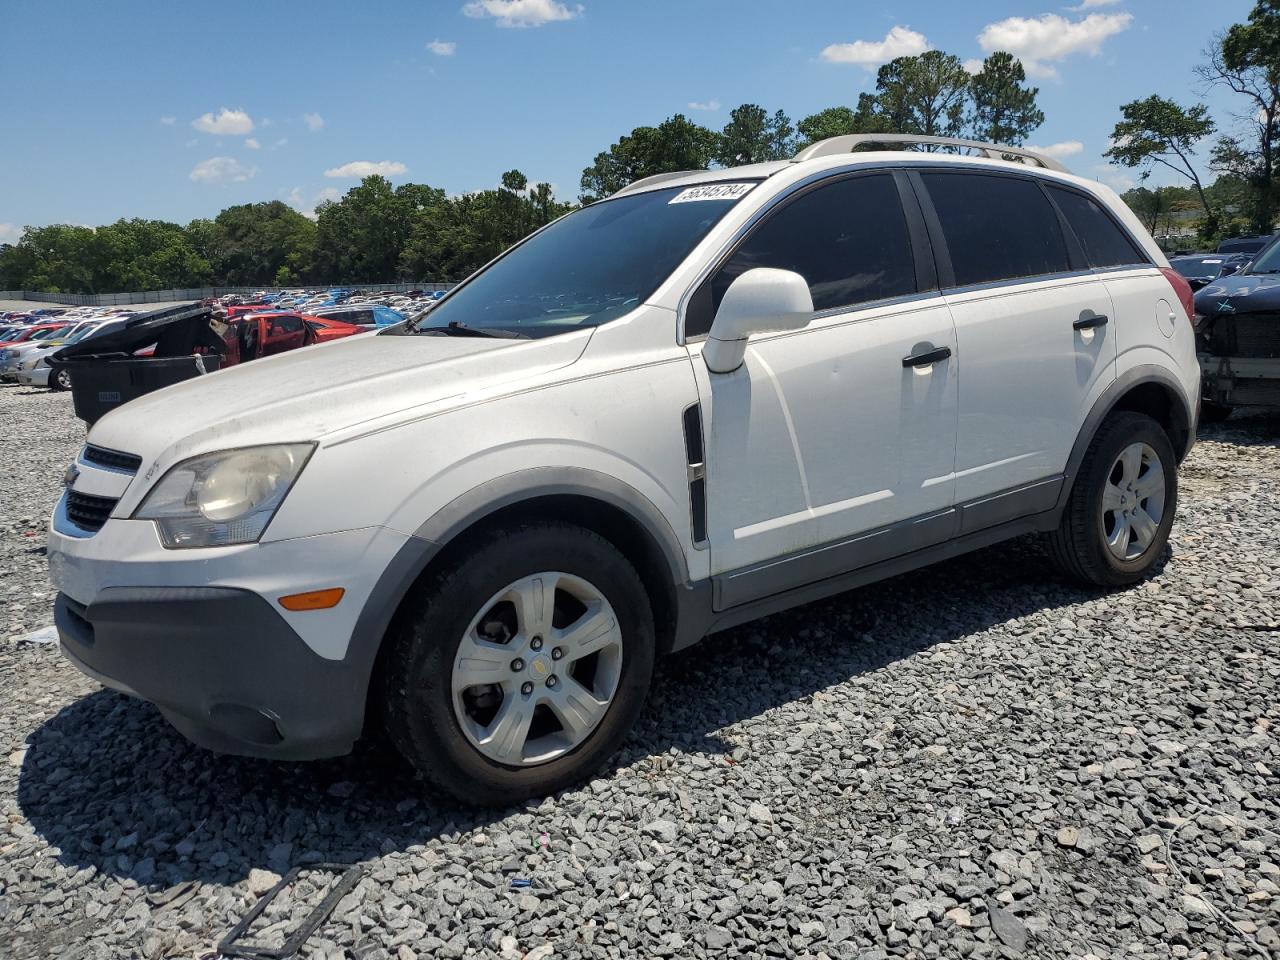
(927, 358)
(1089, 323)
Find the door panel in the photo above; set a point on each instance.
(823, 433)
(1029, 378)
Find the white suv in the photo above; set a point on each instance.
(710, 397)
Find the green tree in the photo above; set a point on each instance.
(675, 144)
(923, 95)
(752, 136)
(1246, 60)
(248, 244)
(1004, 109)
(1160, 131)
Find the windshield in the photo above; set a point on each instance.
(1268, 261)
(589, 267)
(48, 333)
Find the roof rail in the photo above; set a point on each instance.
(657, 178)
(995, 151)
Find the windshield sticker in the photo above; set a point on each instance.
(712, 191)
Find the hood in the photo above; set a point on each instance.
(317, 391)
(1240, 293)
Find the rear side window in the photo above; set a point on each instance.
(997, 228)
(1105, 244)
(848, 239)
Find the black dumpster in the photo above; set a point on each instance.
(105, 373)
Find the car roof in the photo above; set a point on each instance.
(836, 160)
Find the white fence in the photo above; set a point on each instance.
(197, 293)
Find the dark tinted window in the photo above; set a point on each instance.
(847, 239)
(1105, 244)
(997, 228)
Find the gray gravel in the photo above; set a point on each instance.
(976, 760)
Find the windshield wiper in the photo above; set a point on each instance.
(457, 329)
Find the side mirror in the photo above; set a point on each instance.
(1229, 268)
(762, 300)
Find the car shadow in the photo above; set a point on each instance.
(1247, 426)
(111, 786)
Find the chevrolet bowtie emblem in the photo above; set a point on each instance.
(69, 478)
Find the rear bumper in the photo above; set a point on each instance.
(221, 664)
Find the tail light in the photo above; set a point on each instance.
(1182, 290)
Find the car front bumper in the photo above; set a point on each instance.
(34, 377)
(200, 633)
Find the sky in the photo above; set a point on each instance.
(174, 110)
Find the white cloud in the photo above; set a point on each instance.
(252, 144)
(228, 123)
(1066, 148)
(367, 168)
(168, 121)
(10, 233)
(221, 170)
(1117, 180)
(522, 13)
(279, 143)
(973, 66)
(443, 48)
(898, 42)
(1093, 4)
(314, 121)
(309, 209)
(1039, 42)
(708, 105)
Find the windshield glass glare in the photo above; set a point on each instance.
(590, 267)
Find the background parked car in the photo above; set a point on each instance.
(370, 316)
(1201, 269)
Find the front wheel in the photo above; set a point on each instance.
(60, 379)
(1117, 520)
(519, 669)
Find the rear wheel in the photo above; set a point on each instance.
(520, 669)
(60, 379)
(1117, 520)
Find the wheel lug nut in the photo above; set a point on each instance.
(536, 643)
(517, 664)
(557, 653)
(526, 688)
(551, 680)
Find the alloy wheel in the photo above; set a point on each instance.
(537, 669)
(1133, 502)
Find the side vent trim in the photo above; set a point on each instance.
(695, 463)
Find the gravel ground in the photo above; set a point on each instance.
(975, 760)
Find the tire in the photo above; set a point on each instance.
(1211, 412)
(421, 673)
(1080, 547)
(60, 379)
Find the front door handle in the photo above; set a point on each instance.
(1089, 323)
(928, 358)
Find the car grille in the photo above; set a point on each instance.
(112, 458)
(1245, 335)
(87, 511)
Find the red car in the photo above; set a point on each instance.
(265, 334)
(34, 332)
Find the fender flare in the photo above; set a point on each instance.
(1184, 417)
(474, 506)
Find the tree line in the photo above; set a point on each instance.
(1159, 133)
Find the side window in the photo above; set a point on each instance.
(848, 239)
(1105, 244)
(997, 228)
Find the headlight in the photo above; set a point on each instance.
(223, 498)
